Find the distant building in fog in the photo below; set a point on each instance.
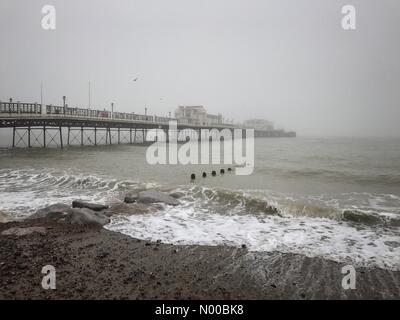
(259, 124)
(196, 115)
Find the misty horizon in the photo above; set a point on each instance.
(287, 62)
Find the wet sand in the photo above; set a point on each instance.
(95, 263)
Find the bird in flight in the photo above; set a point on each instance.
(136, 79)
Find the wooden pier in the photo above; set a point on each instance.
(37, 126)
(34, 125)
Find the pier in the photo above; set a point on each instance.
(34, 125)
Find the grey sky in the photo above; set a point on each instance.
(288, 61)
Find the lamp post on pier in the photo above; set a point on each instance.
(64, 98)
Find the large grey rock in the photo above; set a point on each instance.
(65, 214)
(132, 208)
(88, 205)
(85, 217)
(177, 195)
(23, 231)
(57, 209)
(131, 198)
(152, 196)
(362, 217)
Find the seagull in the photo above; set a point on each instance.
(136, 79)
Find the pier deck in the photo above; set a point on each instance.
(34, 125)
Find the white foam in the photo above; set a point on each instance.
(313, 237)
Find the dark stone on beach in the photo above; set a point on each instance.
(192, 176)
(63, 213)
(129, 208)
(87, 205)
(229, 169)
(222, 171)
(244, 246)
(204, 174)
(361, 217)
(213, 173)
(131, 198)
(271, 210)
(152, 196)
(85, 217)
(176, 195)
(55, 209)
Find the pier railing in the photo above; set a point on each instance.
(22, 108)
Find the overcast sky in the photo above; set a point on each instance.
(287, 61)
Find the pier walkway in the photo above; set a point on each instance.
(35, 125)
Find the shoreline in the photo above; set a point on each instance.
(94, 263)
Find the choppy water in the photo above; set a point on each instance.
(332, 197)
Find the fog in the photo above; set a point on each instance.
(287, 61)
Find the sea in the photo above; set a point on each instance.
(329, 197)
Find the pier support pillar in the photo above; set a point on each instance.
(69, 129)
(44, 136)
(95, 136)
(29, 137)
(61, 138)
(81, 136)
(13, 138)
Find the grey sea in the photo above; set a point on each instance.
(337, 198)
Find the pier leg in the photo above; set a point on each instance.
(44, 137)
(109, 135)
(130, 135)
(13, 139)
(119, 135)
(95, 136)
(69, 129)
(29, 137)
(81, 136)
(134, 137)
(61, 138)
